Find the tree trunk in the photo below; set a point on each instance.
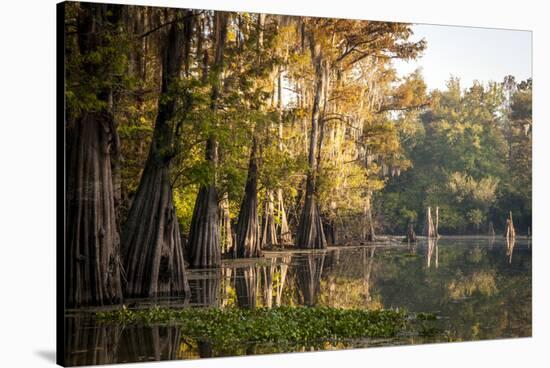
(411, 236)
(92, 259)
(204, 236)
(248, 228)
(269, 232)
(153, 251)
(226, 233)
(285, 237)
(310, 229)
(436, 225)
(429, 230)
(510, 230)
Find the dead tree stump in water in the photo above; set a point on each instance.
(491, 229)
(436, 226)
(411, 236)
(428, 224)
(510, 230)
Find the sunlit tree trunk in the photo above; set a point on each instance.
(248, 228)
(153, 252)
(226, 232)
(310, 229)
(285, 237)
(204, 236)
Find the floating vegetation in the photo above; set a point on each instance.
(263, 325)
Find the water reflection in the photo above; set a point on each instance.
(91, 344)
(477, 290)
(149, 343)
(510, 243)
(246, 284)
(432, 249)
(87, 345)
(308, 277)
(205, 287)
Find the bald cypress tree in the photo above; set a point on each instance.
(153, 251)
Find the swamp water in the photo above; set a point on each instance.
(479, 288)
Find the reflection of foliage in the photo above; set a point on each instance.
(480, 282)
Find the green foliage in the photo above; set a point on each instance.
(471, 158)
(281, 325)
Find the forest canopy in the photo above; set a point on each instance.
(200, 134)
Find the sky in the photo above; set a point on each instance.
(482, 54)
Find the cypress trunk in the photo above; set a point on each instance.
(204, 236)
(285, 237)
(269, 232)
(92, 260)
(248, 229)
(310, 229)
(153, 252)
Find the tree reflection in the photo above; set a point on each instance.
(246, 285)
(205, 288)
(149, 343)
(433, 251)
(87, 344)
(308, 277)
(367, 256)
(510, 244)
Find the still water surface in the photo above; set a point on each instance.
(480, 288)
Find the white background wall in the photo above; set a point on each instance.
(27, 181)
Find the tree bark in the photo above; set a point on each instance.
(153, 252)
(92, 263)
(269, 232)
(226, 232)
(248, 228)
(310, 229)
(285, 237)
(204, 236)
